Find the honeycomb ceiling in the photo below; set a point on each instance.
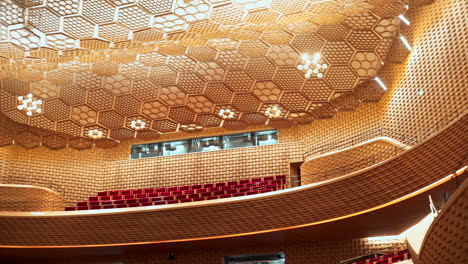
(101, 64)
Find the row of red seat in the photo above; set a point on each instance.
(388, 258)
(171, 195)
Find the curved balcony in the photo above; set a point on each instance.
(406, 175)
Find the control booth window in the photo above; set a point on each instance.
(273, 258)
(258, 138)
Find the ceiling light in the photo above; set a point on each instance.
(138, 124)
(95, 133)
(317, 68)
(191, 127)
(404, 19)
(226, 113)
(377, 79)
(273, 112)
(407, 45)
(29, 104)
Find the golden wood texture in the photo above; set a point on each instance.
(445, 241)
(428, 162)
(102, 64)
(26, 198)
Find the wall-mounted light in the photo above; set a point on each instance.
(404, 19)
(405, 42)
(30, 105)
(95, 133)
(377, 79)
(273, 112)
(317, 69)
(138, 124)
(226, 113)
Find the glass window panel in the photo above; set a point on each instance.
(205, 144)
(238, 140)
(175, 147)
(269, 137)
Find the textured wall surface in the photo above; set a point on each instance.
(29, 199)
(4, 162)
(323, 252)
(446, 241)
(203, 167)
(414, 169)
(356, 158)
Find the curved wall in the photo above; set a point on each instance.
(402, 175)
(25, 198)
(445, 241)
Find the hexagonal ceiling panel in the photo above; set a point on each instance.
(100, 67)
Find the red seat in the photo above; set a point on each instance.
(213, 197)
(225, 196)
(154, 199)
(146, 204)
(126, 192)
(205, 194)
(82, 207)
(82, 203)
(189, 192)
(231, 183)
(196, 186)
(172, 202)
(140, 196)
(130, 201)
(94, 207)
(218, 193)
(220, 184)
(108, 206)
(201, 190)
(185, 200)
(238, 194)
(105, 198)
(114, 192)
(265, 190)
(272, 186)
(238, 186)
(137, 191)
(134, 205)
(144, 200)
(70, 208)
(398, 258)
(194, 195)
(244, 181)
(129, 196)
(168, 198)
(198, 199)
(232, 191)
(177, 192)
(116, 197)
(160, 190)
(246, 189)
(184, 188)
(269, 178)
(252, 192)
(94, 198)
(214, 189)
(120, 205)
(159, 202)
(165, 194)
(106, 202)
(171, 189)
(119, 201)
(256, 180)
(280, 177)
(102, 193)
(181, 197)
(224, 188)
(383, 261)
(93, 203)
(150, 190)
(153, 195)
(208, 185)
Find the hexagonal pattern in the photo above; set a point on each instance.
(170, 61)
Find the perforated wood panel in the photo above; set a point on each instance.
(445, 240)
(433, 159)
(87, 59)
(355, 159)
(324, 252)
(26, 198)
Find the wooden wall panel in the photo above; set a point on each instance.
(359, 157)
(323, 252)
(4, 162)
(203, 167)
(26, 198)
